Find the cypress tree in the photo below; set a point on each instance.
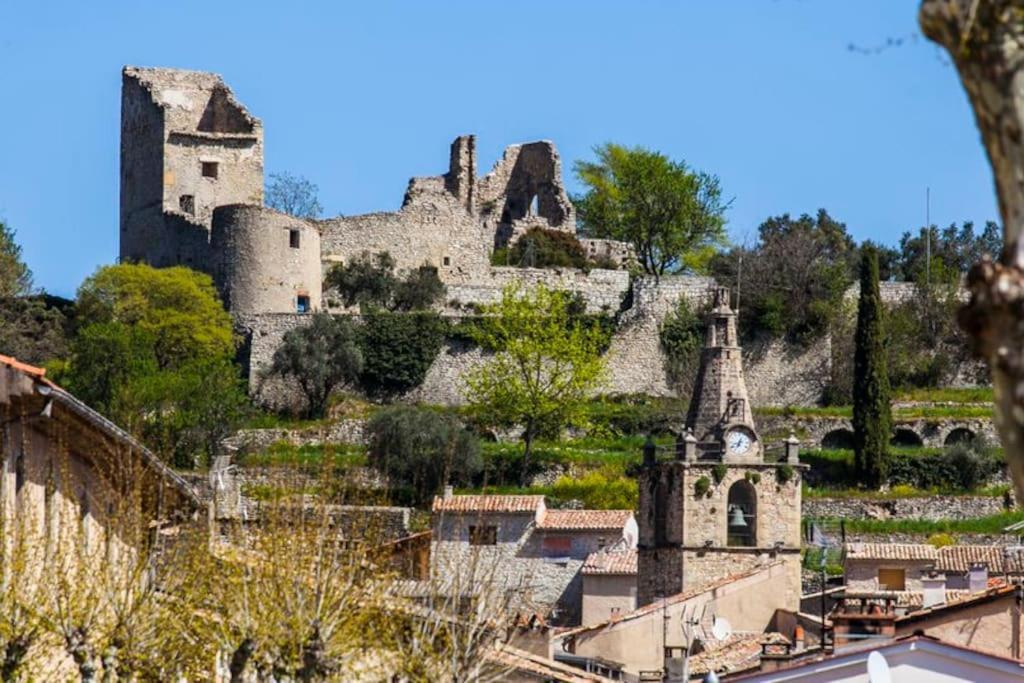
(872, 410)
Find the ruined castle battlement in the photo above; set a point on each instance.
(192, 194)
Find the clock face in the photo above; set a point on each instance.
(738, 441)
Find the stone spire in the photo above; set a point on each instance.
(720, 400)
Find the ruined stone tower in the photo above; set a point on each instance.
(187, 147)
(718, 507)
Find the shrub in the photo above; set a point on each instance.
(784, 474)
(546, 248)
(398, 349)
(682, 337)
(604, 489)
(369, 280)
(319, 356)
(636, 414)
(968, 465)
(701, 486)
(941, 540)
(421, 450)
(753, 477)
(718, 472)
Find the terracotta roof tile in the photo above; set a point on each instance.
(738, 652)
(959, 558)
(585, 519)
(488, 503)
(23, 367)
(521, 661)
(611, 562)
(891, 551)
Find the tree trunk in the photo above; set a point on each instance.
(527, 449)
(985, 39)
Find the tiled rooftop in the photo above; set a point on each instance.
(485, 503)
(891, 551)
(959, 558)
(610, 562)
(585, 519)
(738, 652)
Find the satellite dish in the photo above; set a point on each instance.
(878, 668)
(721, 628)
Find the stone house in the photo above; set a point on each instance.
(888, 566)
(74, 489)
(609, 585)
(652, 637)
(907, 566)
(517, 543)
(58, 452)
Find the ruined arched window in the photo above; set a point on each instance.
(741, 514)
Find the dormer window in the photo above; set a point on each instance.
(210, 169)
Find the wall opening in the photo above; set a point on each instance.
(293, 238)
(483, 535)
(187, 204)
(891, 579)
(904, 436)
(838, 438)
(302, 303)
(447, 261)
(210, 169)
(741, 514)
(960, 435)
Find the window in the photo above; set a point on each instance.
(741, 515)
(447, 261)
(892, 579)
(293, 239)
(557, 546)
(483, 535)
(302, 303)
(187, 204)
(601, 542)
(210, 169)
(19, 473)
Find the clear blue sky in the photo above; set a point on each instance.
(358, 98)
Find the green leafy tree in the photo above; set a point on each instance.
(15, 276)
(32, 328)
(792, 282)
(547, 248)
(673, 215)
(422, 450)
(872, 410)
(294, 195)
(545, 364)
(178, 307)
(154, 351)
(398, 349)
(953, 249)
(319, 357)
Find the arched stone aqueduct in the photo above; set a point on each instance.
(837, 432)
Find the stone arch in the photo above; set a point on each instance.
(959, 435)
(905, 436)
(742, 508)
(838, 438)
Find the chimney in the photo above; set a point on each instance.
(977, 578)
(792, 450)
(449, 492)
(934, 586)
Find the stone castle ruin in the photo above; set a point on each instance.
(192, 181)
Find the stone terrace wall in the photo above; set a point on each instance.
(776, 375)
(923, 507)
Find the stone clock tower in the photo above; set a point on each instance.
(720, 506)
